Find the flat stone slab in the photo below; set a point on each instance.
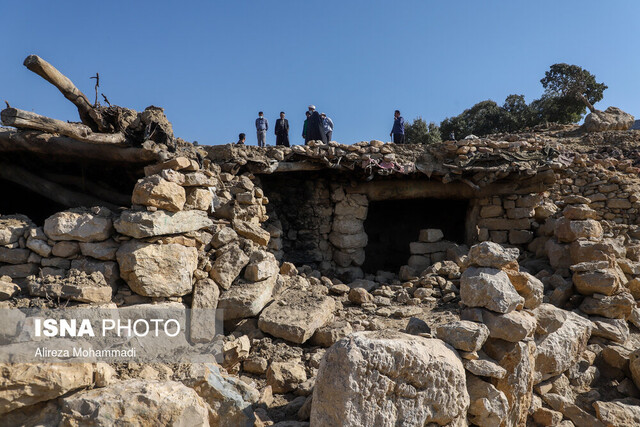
(296, 315)
(141, 224)
(246, 299)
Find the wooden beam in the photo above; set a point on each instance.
(48, 189)
(27, 120)
(397, 189)
(63, 148)
(88, 114)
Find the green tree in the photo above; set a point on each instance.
(419, 132)
(518, 115)
(568, 91)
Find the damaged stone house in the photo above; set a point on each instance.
(505, 270)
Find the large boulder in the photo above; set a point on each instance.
(25, 384)
(141, 224)
(136, 402)
(78, 224)
(157, 270)
(561, 337)
(612, 118)
(571, 230)
(388, 378)
(489, 288)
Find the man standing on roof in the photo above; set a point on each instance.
(327, 126)
(304, 126)
(282, 130)
(315, 131)
(262, 126)
(398, 128)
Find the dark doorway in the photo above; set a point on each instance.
(20, 200)
(392, 225)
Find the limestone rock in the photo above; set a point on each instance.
(489, 288)
(387, 378)
(229, 398)
(529, 287)
(348, 241)
(463, 334)
(571, 411)
(360, 296)
(7, 288)
(78, 225)
(262, 265)
(224, 236)
(514, 326)
(612, 118)
(203, 304)
(616, 330)
(252, 232)
(141, 224)
(570, 230)
(76, 286)
(430, 235)
(109, 269)
(580, 211)
(158, 193)
(105, 251)
(518, 359)
(25, 384)
(489, 406)
(247, 299)
(296, 315)
(485, 367)
(602, 281)
(624, 412)
(228, 265)
(39, 246)
(198, 198)
(561, 338)
(136, 402)
(634, 367)
(617, 306)
(12, 227)
(284, 377)
(490, 254)
(328, 335)
(157, 270)
(14, 256)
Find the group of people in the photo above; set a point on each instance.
(316, 127)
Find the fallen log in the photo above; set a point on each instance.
(88, 115)
(63, 148)
(27, 120)
(48, 189)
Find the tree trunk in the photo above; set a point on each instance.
(586, 102)
(28, 120)
(88, 115)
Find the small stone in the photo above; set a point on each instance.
(284, 377)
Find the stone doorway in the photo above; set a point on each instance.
(392, 224)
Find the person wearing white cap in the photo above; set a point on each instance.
(315, 131)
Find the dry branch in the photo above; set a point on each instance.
(28, 120)
(88, 114)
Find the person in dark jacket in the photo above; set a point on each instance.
(398, 128)
(282, 130)
(304, 126)
(315, 130)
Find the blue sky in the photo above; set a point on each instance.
(213, 65)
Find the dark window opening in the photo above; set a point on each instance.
(391, 225)
(20, 200)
